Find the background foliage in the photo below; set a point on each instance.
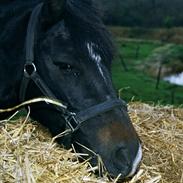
(144, 13)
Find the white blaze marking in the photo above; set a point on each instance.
(96, 58)
(136, 161)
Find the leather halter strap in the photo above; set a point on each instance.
(73, 120)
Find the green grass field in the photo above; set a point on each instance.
(136, 85)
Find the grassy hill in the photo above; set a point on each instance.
(133, 82)
(173, 35)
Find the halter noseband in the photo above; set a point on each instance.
(73, 120)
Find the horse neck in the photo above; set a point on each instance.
(12, 58)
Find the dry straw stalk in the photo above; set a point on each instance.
(29, 155)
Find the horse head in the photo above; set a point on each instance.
(73, 54)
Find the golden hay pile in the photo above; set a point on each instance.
(28, 153)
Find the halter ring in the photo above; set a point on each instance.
(29, 69)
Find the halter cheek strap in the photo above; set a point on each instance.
(30, 70)
(73, 120)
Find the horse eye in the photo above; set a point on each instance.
(68, 69)
(64, 67)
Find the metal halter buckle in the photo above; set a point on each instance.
(29, 69)
(72, 122)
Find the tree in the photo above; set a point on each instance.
(146, 13)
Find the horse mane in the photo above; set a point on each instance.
(13, 16)
(81, 17)
(83, 20)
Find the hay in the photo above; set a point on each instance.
(28, 153)
(161, 131)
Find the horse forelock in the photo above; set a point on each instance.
(81, 18)
(85, 26)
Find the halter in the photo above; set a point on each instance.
(73, 120)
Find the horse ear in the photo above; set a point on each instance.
(53, 10)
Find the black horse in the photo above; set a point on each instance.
(60, 49)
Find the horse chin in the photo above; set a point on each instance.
(106, 167)
(116, 159)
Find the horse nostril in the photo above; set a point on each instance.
(121, 160)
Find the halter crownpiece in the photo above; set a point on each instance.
(73, 120)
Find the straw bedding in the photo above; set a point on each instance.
(28, 154)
